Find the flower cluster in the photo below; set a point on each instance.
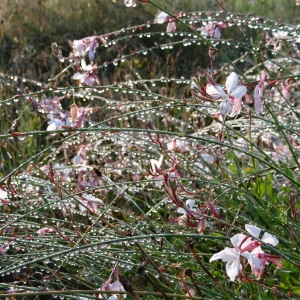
(192, 215)
(86, 73)
(249, 248)
(204, 88)
(212, 29)
(58, 117)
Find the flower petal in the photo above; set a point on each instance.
(190, 203)
(181, 210)
(253, 230)
(228, 254)
(78, 76)
(231, 82)
(254, 262)
(258, 99)
(269, 239)
(238, 92)
(237, 239)
(215, 91)
(3, 194)
(233, 268)
(225, 106)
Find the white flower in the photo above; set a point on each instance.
(54, 123)
(129, 3)
(156, 164)
(280, 35)
(250, 249)
(90, 202)
(87, 74)
(115, 287)
(233, 91)
(3, 194)
(232, 255)
(161, 18)
(190, 205)
(267, 238)
(232, 258)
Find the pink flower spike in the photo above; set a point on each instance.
(212, 208)
(202, 225)
(259, 94)
(171, 27)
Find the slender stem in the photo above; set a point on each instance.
(203, 38)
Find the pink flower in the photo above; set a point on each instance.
(90, 203)
(3, 194)
(83, 46)
(211, 29)
(259, 93)
(286, 88)
(262, 258)
(171, 27)
(57, 121)
(189, 206)
(54, 123)
(177, 146)
(115, 287)
(193, 216)
(161, 18)
(77, 115)
(43, 231)
(281, 35)
(233, 91)
(156, 165)
(86, 74)
(160, 175)
(48, 105)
